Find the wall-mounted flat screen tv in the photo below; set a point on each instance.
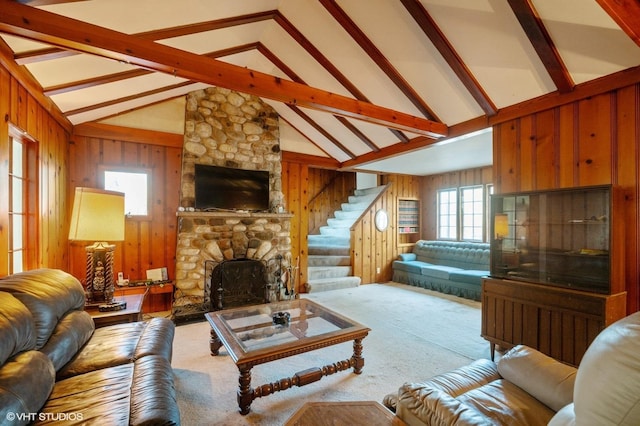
(226, 188)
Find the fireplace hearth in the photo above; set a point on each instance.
(234, 283)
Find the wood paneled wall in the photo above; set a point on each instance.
(373, 249)
(150, 242)
(20, 107)
(588, 142)
(433, 183)
(327, 190)
(311, 195)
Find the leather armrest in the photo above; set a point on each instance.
(546, 379)
(461, 380)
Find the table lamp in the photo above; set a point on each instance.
(501, 226)
(501, 231)
(98, 215)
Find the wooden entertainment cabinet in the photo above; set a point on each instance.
(557, 271)
(558, 322)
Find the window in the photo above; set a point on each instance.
(447, 214)
(462, 213)
(472, 212)
(134, 185)
(23, 206)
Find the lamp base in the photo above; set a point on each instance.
(99, 285)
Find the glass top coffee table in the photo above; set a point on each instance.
(258, 334)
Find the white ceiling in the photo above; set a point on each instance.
(373, 51)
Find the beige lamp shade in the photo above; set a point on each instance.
(501, 225)
(97, 215)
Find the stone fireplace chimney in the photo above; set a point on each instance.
(230, 129)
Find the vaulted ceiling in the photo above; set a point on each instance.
(378, 85)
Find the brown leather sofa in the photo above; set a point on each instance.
(526, 387)
(56, 367)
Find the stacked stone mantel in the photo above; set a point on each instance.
(230, 129)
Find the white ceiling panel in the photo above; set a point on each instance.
(490, 64)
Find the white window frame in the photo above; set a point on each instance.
(23, 202)
(447, 225)
(132, 195)
(472, 213)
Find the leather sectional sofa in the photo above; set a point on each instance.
(528, 388)
(56, 367)
(451, 267)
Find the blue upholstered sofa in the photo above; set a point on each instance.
(452, 267)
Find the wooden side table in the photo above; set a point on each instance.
(132, 313)
(370, 413)
(159, 296)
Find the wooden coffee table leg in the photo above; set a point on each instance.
(357, 356)
(214, 343)
(245, 393)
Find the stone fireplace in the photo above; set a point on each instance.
(229, 129)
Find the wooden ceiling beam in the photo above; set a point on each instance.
(322, 131)
(437, 37)
(32, 86)
(155, 35)
(293, 76)
(110, 78)
(626, 13)
(67, 33)
(543, 44)
(378, 58)
(294, 33)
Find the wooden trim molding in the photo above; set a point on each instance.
(128, 134)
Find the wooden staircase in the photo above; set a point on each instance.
(329, 263)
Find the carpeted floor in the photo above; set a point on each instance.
(415, 334)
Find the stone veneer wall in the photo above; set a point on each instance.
(230, 129)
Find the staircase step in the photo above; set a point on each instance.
(353, 214)
(335, 231)
(320, 272)
(328, 240)
(367, 191)
(340, 223)
(329, 250)
(328, 260)
(328, 284)
(348, 207)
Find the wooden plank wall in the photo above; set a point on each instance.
(373, 249)
(588, 142)
(327, 189)
(151, 242)
(19, 106)
(433, 183)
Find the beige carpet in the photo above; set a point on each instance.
(415, 334)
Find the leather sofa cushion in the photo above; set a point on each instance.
(122, 344)
(544, 378)
(25, 383)
(72, 332)
(504, 403)
(49, 294)
(17, 328)
(138, 393)
(607, 390)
